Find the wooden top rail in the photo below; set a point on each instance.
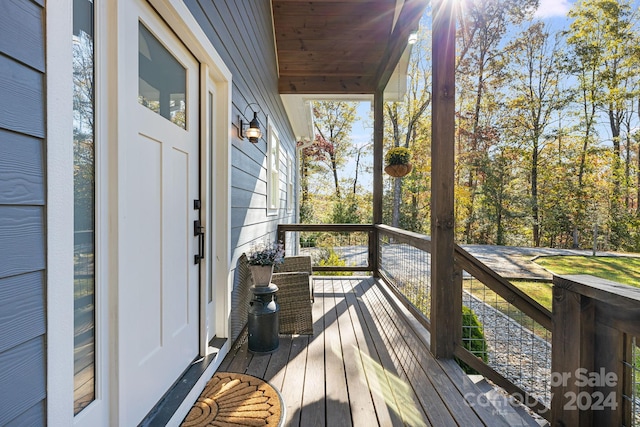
(617, 304)
(594, 320)
(337, 228)
(325, 227)
(612, 293)
(503, 287)
(416, 240)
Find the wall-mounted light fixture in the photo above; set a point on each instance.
(250, 130)
(413, 37)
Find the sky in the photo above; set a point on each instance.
(553, 8)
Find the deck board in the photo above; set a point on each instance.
(383, 399)
(365, 365)
(337, 398)
(362, 410)
(427, 375)
(313, 398)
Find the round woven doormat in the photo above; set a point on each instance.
(231, 399)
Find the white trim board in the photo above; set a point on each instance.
(59, 226)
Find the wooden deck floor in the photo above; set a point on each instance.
(365, 365)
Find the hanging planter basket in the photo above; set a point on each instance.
(398, 171)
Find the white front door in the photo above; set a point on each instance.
(158, 286)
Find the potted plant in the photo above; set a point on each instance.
(397, 162)
(261, 261)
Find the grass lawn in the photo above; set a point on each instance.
(618, 269)
(539, 291)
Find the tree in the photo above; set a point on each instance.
(333, 121)
(482, 27)
(83, 132)
(604, 57)
(534, 74)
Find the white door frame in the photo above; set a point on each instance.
(216, 179)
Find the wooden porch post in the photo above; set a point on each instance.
(378, 135)
(446, 296)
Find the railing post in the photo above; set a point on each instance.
(569, 319)
(608, 357)
(446, 291)
(282, 237)
(374, 248)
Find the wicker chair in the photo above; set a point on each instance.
(294, 293)
(297, 264)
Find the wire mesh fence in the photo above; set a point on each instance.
(409, 270)
(631, 396)
(516, 347)
(494, 330)
(334, 249)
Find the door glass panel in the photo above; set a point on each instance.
(162, 80)
(84, 204)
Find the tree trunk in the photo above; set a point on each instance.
(534, 195)
(614, 122)
(638, 184)
(397, 199)
(627, 172)
(334, 169)
(471, 182)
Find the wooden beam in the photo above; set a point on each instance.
(408, 20)
(446, 297)
(378, 140)
(617, 294)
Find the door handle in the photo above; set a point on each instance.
(198, 230)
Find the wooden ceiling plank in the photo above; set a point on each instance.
(325, 85)
(363, 22)
(344, 37)
(328, 60)
(333, 8)
(289, 46)
(306, 73)
(320, 1)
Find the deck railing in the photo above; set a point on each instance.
(517, 330)
(595, 358)
(525, 348)
(350, 244)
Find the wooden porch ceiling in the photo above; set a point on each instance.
(341, 47)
